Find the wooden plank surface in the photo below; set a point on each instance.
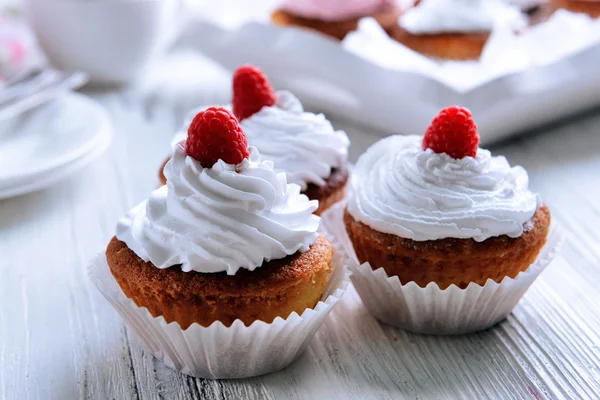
(59, 339)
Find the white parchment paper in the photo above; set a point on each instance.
(521, 82)
(506, 52)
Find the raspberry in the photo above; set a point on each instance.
(453, 132)
(251, 91)
(216, 134)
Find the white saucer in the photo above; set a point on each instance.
(44, 145)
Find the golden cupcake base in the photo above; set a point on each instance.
(276, 289)
(449, 261)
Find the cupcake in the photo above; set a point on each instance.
(589, 7)
(455, 29)
(438, 218)
(335, 18)
(303, 145)
(227, 246)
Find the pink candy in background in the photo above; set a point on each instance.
(335, 10)
(15, 44)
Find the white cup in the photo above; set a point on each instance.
(111, 40)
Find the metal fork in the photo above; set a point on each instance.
(35, 87)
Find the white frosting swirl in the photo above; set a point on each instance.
(398, 188)
(461, 16)
(221, 218)
(303, 145)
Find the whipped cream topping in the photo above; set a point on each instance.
(335, 10)
(221, 218)
(303, 145)
(461, 16)
(400, 189)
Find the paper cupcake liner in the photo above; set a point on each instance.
(431, 310)
(218, 351)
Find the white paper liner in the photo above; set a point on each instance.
(219, 352)
(430, 310)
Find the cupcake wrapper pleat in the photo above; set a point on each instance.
(431, 310)
(218, 351)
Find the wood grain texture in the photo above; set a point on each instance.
(59, 339)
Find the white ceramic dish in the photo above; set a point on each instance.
(46, 144)
(333, 79)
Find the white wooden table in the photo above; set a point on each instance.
(59, 338)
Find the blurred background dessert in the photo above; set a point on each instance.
(335, 18)
(589, 7)
(455, 29)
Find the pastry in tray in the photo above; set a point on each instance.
(335, 18)
(590, 7)
(455, 29)
(304, 145)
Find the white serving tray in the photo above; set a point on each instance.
(330, 78)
